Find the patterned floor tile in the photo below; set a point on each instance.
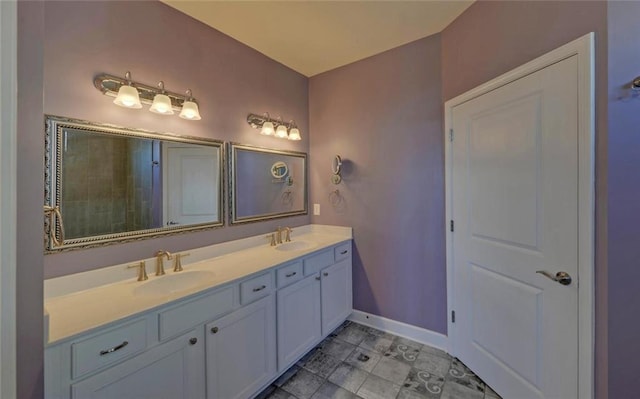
(432, 364)
(409, 394)
(363, 359)
(286, 376)
(434, 351)
(460, 374)
(353, 334)
(402, 353)
(303, 385)
(375, 387)
(321, 364)
(490, 393)
(392, 370)
(376, 343)
(408, 342)
(348, 377)
(426, 384)
(337, 348)
(332, 391)
(280, 394)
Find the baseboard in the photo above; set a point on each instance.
(405, 330)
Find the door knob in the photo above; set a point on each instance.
(561, 277)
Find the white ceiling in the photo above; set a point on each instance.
(312, 37)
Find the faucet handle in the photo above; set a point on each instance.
(142, 270)
(177, 263)
(287, 236)
(272, 237)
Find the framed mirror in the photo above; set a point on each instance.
(266, 183)
(111, 184)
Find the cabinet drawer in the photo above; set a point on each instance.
(289, 274)
(255, 288)
(318, 261)
(187, 315)
(108, 347)
(342, 251)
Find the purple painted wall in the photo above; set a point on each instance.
(30, 191)
(492, 37)
(156, 42)
(383, 115)
(624, 198)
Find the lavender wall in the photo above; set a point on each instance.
(383, 115)
(624, 198)
(156, 42)
(492, 37)
(30, 191)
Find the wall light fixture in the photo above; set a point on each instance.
(130, 94)
(266, 125)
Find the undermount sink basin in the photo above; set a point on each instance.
(295, 246)
(172, 283)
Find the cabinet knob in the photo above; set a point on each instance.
(318, 278)
(214, 330)
(193, 341)
(325, 274)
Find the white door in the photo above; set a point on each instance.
(191, 184)
(514, 198)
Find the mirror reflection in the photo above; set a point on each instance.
(112, 183)
(266, 183)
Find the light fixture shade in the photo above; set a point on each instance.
(190, 111)
(294, 134)
(281, 131)
(128, 97)
(161, 105)
(267, 129)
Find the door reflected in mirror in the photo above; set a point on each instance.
(115, 184)
(266, 183)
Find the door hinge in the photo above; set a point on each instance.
(451, 225)
(450, 134)
(453, 316)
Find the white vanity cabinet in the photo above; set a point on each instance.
(313, 307)
(174, 369)
(227, 342)
(241, 351)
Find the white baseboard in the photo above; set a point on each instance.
(405, 330)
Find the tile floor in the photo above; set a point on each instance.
(356, 361)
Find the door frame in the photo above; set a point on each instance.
(583, 48)
(8, 190)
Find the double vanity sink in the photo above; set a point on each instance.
(237, 316)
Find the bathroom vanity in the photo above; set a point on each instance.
(237, 316)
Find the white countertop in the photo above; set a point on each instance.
(81, 302)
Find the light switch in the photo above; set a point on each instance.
(316, 209)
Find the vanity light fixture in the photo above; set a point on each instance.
(294, 133)
(281, 130)
(266, 125)
(161, 102)
(635, 84)
(130, 94)
(190, 108)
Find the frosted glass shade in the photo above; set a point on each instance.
(281, 131)
(294, 134)
(190, 111)
(161, 105)
(267, 129)
(128, 97)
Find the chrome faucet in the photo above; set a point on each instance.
(160, 261)
(287, 236)
(272, 238)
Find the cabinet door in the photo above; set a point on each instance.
(241, 351)
(337, 298)
(298, 319)
(172, 370)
